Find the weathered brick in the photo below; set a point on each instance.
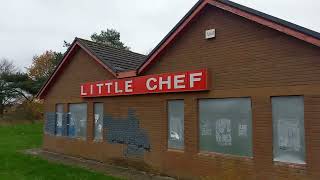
(245, 60)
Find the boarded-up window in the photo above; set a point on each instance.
(59, 118)
(226, 126)
(50, 123)
(176, 124)
(288, 129)
(98, 121)
(78, 120)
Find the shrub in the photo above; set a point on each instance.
(28, 110)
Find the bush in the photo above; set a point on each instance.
(28, 110)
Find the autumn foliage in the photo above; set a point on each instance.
(18, 89)
(43, 65)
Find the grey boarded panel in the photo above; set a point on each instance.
(226, 126)
(288, 129)
(65, 120)
(176, 124)
(50, 123)
(126, 131)
(98, 121)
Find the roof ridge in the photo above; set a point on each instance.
(273, 18)
(109, 46)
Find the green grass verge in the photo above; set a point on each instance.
(16, 165)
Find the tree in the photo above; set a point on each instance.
(7, 93)
(66, 44)
(21, 84)
(42, 67)
(7, 67)
(111, 37)
(15, 88)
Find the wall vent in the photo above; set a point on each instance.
(210, 33)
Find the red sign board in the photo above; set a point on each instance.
(160, 83)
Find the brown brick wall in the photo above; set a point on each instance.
(244, 60)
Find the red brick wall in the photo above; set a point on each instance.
(244, 60)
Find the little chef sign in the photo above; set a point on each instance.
(159, 83)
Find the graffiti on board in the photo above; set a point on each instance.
(127, 131)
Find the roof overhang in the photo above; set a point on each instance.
(261, 20)
(230, 7)
(76, 44)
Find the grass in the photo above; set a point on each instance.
(15, 165)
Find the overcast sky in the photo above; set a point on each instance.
(29, 27)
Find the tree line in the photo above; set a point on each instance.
(18, 87)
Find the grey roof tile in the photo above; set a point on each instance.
(119, 60)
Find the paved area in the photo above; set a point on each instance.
(112, 170)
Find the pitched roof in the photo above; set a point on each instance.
(115, 60)
(286, 27)
(123, 63)
(119, 60)
(273, 19)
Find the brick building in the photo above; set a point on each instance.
(230, 92)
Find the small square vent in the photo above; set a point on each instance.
(210, 33)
